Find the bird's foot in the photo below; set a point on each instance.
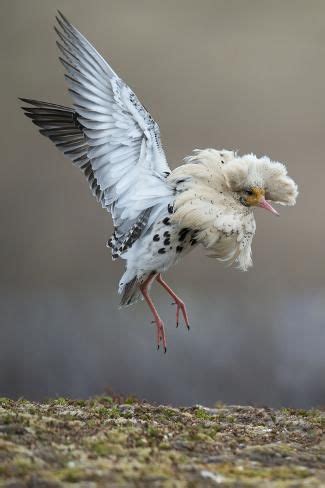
(161, 336)
(180, 307)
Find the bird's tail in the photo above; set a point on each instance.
(130, 293)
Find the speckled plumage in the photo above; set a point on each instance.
(156, 250)
(159, 215)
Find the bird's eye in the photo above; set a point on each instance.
(248, 192)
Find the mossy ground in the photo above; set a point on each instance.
(105, 442)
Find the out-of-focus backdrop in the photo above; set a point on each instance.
(246, 75)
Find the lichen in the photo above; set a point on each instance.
(111, 441)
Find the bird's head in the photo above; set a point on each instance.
(258, 181)
(255, 197)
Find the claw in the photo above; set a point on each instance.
(165, 350)
(181, 310)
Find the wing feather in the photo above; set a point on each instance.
(110, 136)
(124, 145)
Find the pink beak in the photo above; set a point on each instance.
(265, 204)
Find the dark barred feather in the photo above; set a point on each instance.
(61, 125)
(131, 293)
(120, 244)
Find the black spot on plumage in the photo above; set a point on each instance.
(167, 241)
(162, 250)
(170, 208)
(122, 242)
(166, 234)
(166, 221)
(114, 256)
(179, 249)
(183, 233)
(156, 238)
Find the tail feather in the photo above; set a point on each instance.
(130, 293)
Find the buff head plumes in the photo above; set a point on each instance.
(259, 178)
(254, 181)
(216, 193)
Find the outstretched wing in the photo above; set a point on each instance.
(60, 124)
(120, 141)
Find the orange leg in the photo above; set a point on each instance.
(161, 337)
(178, 302)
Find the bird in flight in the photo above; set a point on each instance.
(159, 215)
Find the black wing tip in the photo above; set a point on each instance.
(63, 26)
(64, 22)
(57, 31)
(63, 17)
(32, 101)
(26, 100)
(39, 108)
(28, 109)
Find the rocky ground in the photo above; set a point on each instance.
(122, 443)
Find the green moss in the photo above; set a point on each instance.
(60, 401)
(5, 402)
(197, 435)
(71, 475)
(105, 399)
(154, 434)
(168, 413)
(282, 473)
(202, 414)
(79, 403)
(21, 466)
(7, 419)
(131, 400)
(106, 441)
(103, 448)
(114, 412)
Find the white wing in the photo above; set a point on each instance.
(123, 141)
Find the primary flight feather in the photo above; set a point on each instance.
(159, 215)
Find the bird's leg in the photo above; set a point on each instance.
(144, 287)
(179, 303)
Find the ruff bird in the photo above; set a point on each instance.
(159, 215)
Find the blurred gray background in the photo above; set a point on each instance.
(246, 75)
